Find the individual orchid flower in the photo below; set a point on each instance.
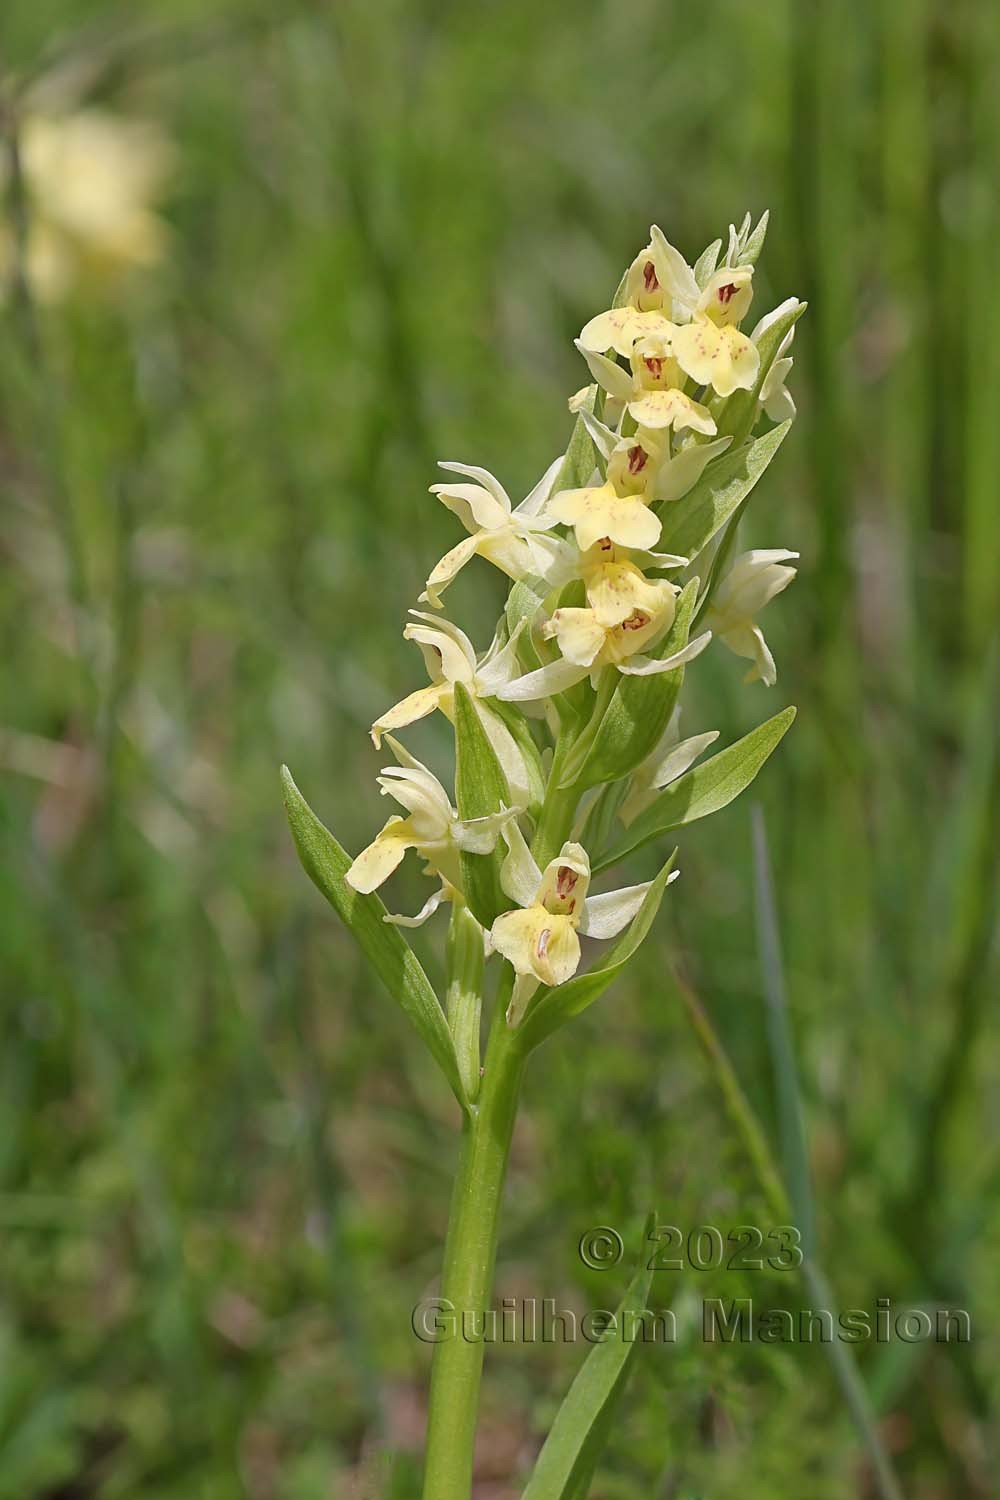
(775, 398)
(450, 658)
(652, 391)
(671, 758)
(711, 348)
(513, 538)
(752, 581)
(433, 828)
(542, 938)
(619, 507)
(625, 612)
(679, 464)
(660, 288)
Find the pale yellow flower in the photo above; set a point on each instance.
(659, 288)
(91, 179)
(619, 507)
(625, 611)
(711, 348)
(450, 658)
(433, 828)
(512, 538)
(652, 391)
(671, 758)
(541, 938)
(752, 581)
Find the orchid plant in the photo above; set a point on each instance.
(568, 753)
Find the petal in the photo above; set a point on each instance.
(680, 757)
(408, 710)
(604, 916)
(535, 499)
(579, 634)
(772, 317)
(519, 874)
(671, 408)
(565, 882)
(385, 852)
(499, 666)
(599, 512)
(525, 987)
(428, 909)
(723, 358)
(674, 274)
(544, 682)
(452, 655)
(472, 499)
(479, 835)
(507, 752)
(683, 471)
(645, 666)
(483, 477)
(449, 567)
(515, 934)
(615, 380)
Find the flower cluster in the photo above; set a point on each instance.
(575, 701)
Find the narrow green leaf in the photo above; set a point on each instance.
(755, 242)
(551, 1007)
(578, 465)
(480, 789)
(705, 789)
(630, 727)
(737, 414)
(583, 1423)
(326, 864)
(690, 524)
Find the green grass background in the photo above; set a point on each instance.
(224, 1160)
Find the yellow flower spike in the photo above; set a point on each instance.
(541, 938)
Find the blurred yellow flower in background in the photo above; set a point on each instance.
(91, 180)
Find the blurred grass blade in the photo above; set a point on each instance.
(326, 864)
(796, 1159)
(552, 1007)
(565, 1467)
(705, 789)
(690, 524)
(794, 1155)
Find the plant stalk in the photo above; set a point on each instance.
(469, 1259)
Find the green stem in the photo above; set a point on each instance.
(556, 817)
(470, 1255)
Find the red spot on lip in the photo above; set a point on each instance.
(727, 292)
(635, 621)
(649, 280)
(566, 880)
(605, 544)
(653, 365)
(637, 458)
